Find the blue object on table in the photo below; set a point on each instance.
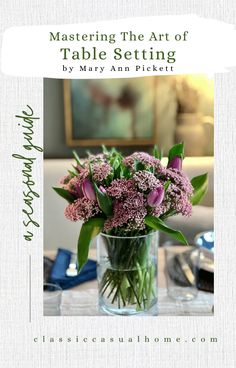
(58, 272)
(205, 240)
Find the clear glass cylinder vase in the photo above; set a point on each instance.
(127, 274)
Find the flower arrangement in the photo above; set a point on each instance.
(128, 197)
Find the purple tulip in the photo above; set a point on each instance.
(79, 191)
(88, 190)
(102, 189)
(155, 197)
(175, 163)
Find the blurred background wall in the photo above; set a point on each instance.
(184, 111)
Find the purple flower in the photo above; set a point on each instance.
(155, 197)
(149, 188)
(81, 209)
(88, 190)
(179, 179)
(179, 199)
(144, 158)
(129, 212)
(102, 189)
(101, 170)
(74, 187)
(121, 188)
(145, 181)
(175, 163)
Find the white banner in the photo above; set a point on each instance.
(159, 45)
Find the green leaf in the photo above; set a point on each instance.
(117, 173)
(115, 163)
(167, 184)
(160, 154)
(89, 230)
(77, 158)
(105, 150)
(104, 201)
(200, 186)
(157, 224)
(176, 150)
(138, 166)
(157, 153)
(125, 172)
(64, 194)
(72, 173)
(169, 213)
(90, 170)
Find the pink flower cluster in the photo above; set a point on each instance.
(179, 179)
(130, 211)
(82, 209)
(145, 180)
(73, 184)
(101, 171)
(132, 195)
(177, 196)
(179, 200)
(121, 188)
(144, 158)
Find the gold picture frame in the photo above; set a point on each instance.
(72, 140)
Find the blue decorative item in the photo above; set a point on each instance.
(205, 240)
(61, 264)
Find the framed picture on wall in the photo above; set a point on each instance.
(110, 111)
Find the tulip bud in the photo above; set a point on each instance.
(175, 163)
(155, 197)
(102, 189)
(88, 190)
(79, 191)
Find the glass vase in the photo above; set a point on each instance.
(127, 274)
